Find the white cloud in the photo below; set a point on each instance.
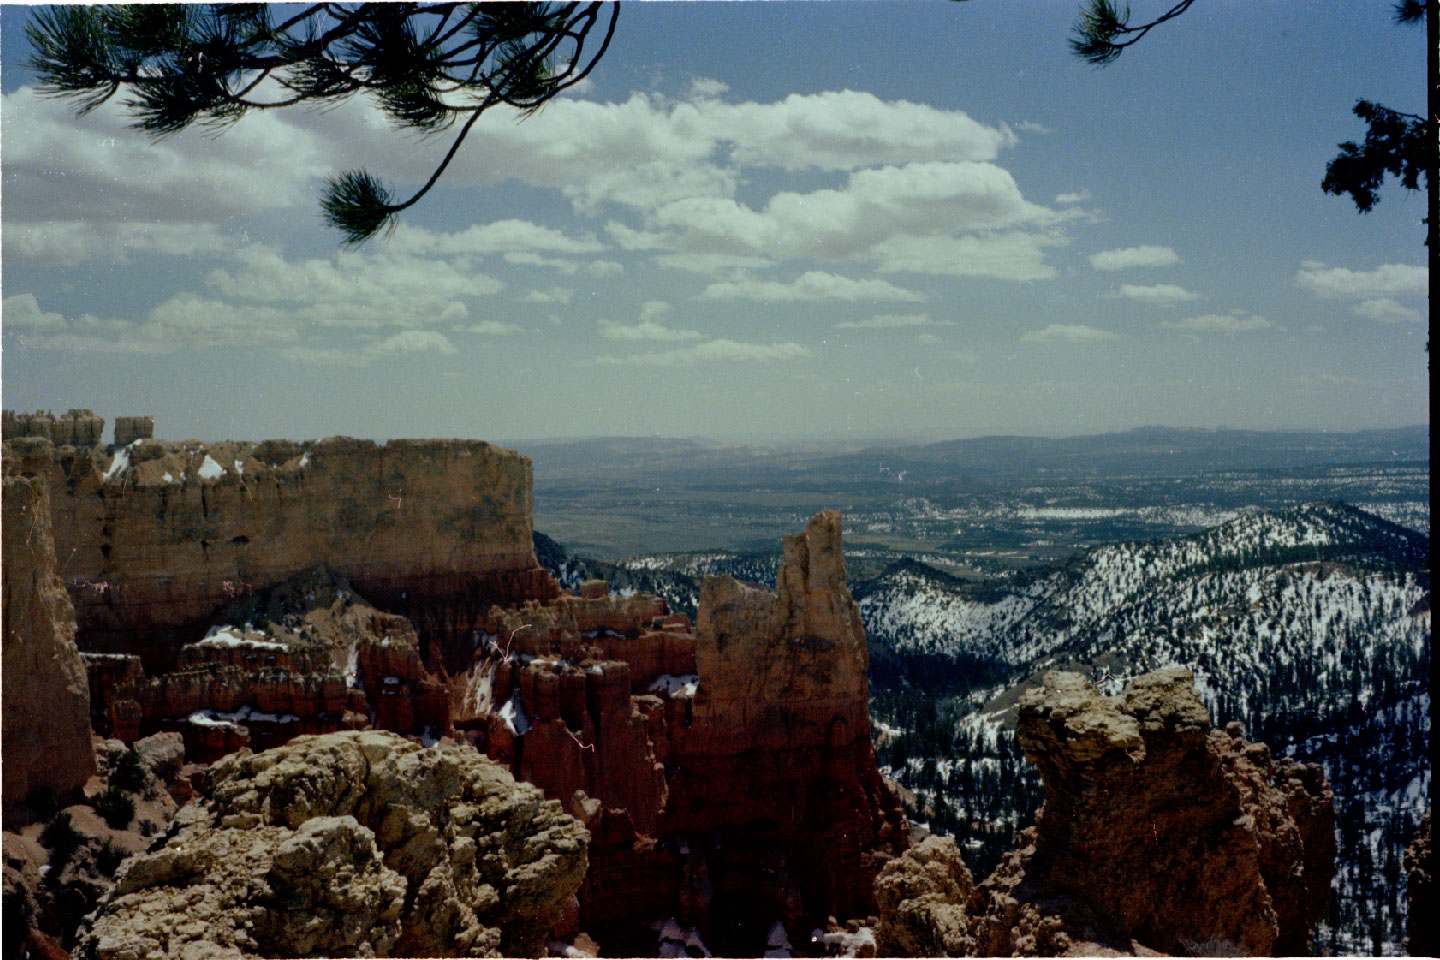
(1067, 333)
(550, 295)
(66, 243)
(1125, 258)
(23, 313)
(646, 330)
(492, 328)
(1157, 294)
(1390, 279)
(814, 285)
(1005, 256)
(368, 288)
(1235, 321)
(1387, 310)
(1070, 199)
(502, 236)
(713, 351)
(412, 341)
(98, 170)
(712, 264)
(892, 321)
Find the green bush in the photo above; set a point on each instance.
(110, 857)
(115, 808)
(62, 840)
(129, 773)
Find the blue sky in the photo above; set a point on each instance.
(757, 221)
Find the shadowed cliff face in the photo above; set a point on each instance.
(46, 700)
(1157, 833)
(154, 536)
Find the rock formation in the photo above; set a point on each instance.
(46, 702)
(726, 773)
(1419, 872)
(243, 595)
(1156, 833)
(349, 844)
(130, 429)
(155, 536)
(79, 428)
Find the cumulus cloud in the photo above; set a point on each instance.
(1070, 199)
(1067, 333)
(1124, 258)
(713, 351)
(1157, 294)
(645, 330)
(893, 321)
(550, 295)
(502, 236)
(1390, 279)
(1235, 321)
(814, 285)
(1004, 256)
(185, 320)
(66, 243)
(1386, 310)
(98, 170)
(492, 328)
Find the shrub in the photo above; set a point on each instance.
(15, 921)
(115, 808)
(129, 772)
(62, 840)
(110, 857)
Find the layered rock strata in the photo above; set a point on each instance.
(726, 772)
(154, 536)
(309, 656)
(1157, 833)
(349, 844)
(46, 706)
(75, 427)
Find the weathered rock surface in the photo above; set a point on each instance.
(350, 844)
(922, 898)
(1157, 834)
(75, 427)
(157, 535)
(46, 705)
(1419, 874)
(726, 773)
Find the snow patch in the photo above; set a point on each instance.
(210, 470)
(675, 686)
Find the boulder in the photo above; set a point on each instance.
(350, 844)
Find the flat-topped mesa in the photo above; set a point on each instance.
(155, 535)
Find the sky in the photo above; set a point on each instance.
(772, 221)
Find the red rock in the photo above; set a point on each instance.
(46, 705)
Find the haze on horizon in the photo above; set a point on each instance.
(756, 222)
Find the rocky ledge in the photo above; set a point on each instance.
(358, 843)
(1157, 834)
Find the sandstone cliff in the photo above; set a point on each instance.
(349, 844)
(155, 536)
(1156, 833)
(46, 708)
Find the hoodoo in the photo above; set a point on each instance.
(243, 595)
(1157, 833)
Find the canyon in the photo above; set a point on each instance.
(394, 733)
(245, 595)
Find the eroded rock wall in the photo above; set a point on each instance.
(1157, 833)
(349, 844)
(155, 536)
(46, 702)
